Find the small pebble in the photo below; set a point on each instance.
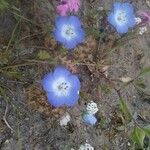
(142, 30)
(64, 119)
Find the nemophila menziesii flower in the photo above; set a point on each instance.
(67, 6)
(62, 87)
(68, 31)
(122, 17)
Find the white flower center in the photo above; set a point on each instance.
(92, 108)
(121, 17)
(86, 147)
(68, 32)
(61, 87)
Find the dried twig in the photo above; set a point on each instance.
(4, 118)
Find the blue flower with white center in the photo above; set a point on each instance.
(122, 17)
(89, 119)
(68, 31)
(62, 87)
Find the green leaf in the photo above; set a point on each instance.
(140, 83)
(43, 55)
(147, 130)
(105, 88)
(125, 110)
(4, 57)
(144, 71)
(3, 5)
(138, 136)
(13, 74)
(63, 51)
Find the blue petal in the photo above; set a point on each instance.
(128, 8)
(60, 21)
(47, 82)
(131, 20)
(54, 100)
(117, 5)
(89, 119)
(61, 72)
(73, 20)
(74, 91)
(111, 19)
(122, 29)
(70, 43)
(76, 40)
(80, 35)
(75, 82)
(72, 99)
(58, 36)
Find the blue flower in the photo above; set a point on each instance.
(89, 119)
(62, 87)
(68, 31)
(122, 17)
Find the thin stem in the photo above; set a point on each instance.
(12, 35)
(4, 118)
(22, 17)
(18, 65)
(32, 35)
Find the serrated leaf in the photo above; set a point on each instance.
(147, 130)
(125, 110)
(43, 55)
(138, 136)
(144, 71)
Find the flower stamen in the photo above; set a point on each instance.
(68, 32)
(61, 87)
(121, 17)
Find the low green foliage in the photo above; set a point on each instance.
(3, 5)
(125, 110)
(43, 55)
(138, 136)
(147, 130)
(105, 88)
(63, 51)
(4, 57)
(144, 71)
(140, 81)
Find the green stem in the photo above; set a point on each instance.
(12, 35)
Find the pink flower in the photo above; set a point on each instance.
(62, 9)
(74, 5)
(67, 6)
(145, 16)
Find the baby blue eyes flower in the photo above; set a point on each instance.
(62, 87)
(89, 119)
(122, 17)
(68, 31)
